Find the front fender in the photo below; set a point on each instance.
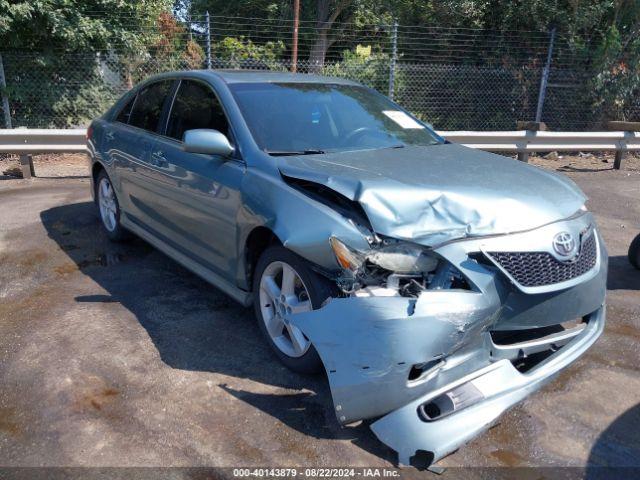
(302, 224)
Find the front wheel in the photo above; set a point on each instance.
(283, 285)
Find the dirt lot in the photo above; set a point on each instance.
(113, 355)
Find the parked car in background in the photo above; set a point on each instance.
(436, 285)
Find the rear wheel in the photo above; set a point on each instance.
(634, 252)
(284, 285)
(109, 208)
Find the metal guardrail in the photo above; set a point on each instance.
(531, 141)
(42, 140)
(27, 142)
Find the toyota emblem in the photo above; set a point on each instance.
(564, 244)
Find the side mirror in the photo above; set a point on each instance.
(203, 140)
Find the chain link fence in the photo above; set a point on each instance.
(470, 80)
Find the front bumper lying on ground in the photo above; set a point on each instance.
(397, 357)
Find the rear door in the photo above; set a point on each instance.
(201, 202)
(130, 143)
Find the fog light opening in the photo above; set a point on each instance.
(450, 402)
(431, 410)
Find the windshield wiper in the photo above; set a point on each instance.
(284, 153)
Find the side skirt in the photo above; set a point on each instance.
(241, 296)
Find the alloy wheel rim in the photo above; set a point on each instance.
(107, 204)
(282, 293)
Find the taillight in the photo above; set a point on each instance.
(90, 132)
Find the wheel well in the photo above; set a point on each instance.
(258, 241)
(95, 171)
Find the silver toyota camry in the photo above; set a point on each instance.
(435, 284)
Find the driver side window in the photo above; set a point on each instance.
(195, 106)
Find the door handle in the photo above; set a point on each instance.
(159, 158)
(159, 155)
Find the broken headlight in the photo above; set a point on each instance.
(394, 256)
(402, 257)
(389, 267)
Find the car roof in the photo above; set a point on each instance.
(259, 76)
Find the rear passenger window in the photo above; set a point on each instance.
(195, 106)
(147, 108)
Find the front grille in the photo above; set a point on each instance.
(536, 269)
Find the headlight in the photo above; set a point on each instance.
(403, 258)
(396, 257)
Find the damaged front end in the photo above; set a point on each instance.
(437, 342)
(466, 282)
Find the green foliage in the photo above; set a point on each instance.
(616, 86)
(55, 91)
(361, 65)
(240, 52)
(50, 48)
(51, 86)
(78, 25)
(241, 48)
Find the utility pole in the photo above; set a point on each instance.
(296, 22)
(545, 76)
(208, 28)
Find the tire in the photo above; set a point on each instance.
(634, 252)
(109, 209)
(311, 286)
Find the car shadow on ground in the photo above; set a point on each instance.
(622, 275)
(616, 452)
(194, 326)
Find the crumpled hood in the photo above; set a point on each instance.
(433, 194)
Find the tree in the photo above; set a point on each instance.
(62, 58)
(77, 25)
(327, 12)
(327, 16)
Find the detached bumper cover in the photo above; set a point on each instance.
(500, 384)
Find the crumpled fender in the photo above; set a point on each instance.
(302, 224)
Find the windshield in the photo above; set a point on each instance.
(298, 118)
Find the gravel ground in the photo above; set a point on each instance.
(114, 355)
